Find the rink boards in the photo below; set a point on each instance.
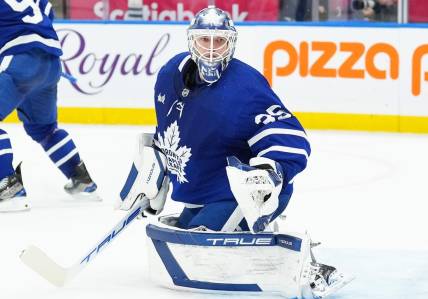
(333, 76)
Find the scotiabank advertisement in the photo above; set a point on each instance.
(357, 70)
(173, 10)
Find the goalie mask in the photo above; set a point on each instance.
(211, 37)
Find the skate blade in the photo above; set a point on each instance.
(337, 286)
(18, 204)
(85, 196)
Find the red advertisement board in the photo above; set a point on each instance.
(175, 10)
(418, 11)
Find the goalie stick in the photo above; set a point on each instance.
(37, 260)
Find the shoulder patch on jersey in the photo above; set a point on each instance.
(161, 98)
(177, 157)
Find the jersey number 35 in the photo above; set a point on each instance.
(20, 6)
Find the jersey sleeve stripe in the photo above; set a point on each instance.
(4, 136)
(30, 38)
(285, 149)
(48, 8)
(5, 63)
(272, 131)
(183, 62)
(5, 151)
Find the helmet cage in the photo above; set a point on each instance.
(211, 39)
(211, 60)
(212, 54)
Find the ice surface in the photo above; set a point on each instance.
(363, 195)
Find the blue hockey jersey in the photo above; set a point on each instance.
(239, 115)
(27, 24)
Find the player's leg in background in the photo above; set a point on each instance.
(6, 155)
(12, 192)
(10, 97)
(39, 114)
(10, 93)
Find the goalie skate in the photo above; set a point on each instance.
(13, 197)
(326, 280)
(81, 186)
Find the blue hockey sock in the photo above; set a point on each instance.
(6, 155)
(61, 150)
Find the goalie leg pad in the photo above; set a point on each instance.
(228, 262)
(277, 262)
(147, 173)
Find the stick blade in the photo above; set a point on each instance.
(37, 260)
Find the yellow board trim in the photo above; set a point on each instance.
(108, 116)
(364, 122)
(310, 120)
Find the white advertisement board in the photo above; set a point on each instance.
(314, 69)
(115, 65)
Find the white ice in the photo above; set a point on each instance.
(363, 195)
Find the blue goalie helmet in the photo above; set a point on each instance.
(212, 38)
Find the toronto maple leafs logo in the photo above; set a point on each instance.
(177, 157)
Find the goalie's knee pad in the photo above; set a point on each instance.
(146, 177)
